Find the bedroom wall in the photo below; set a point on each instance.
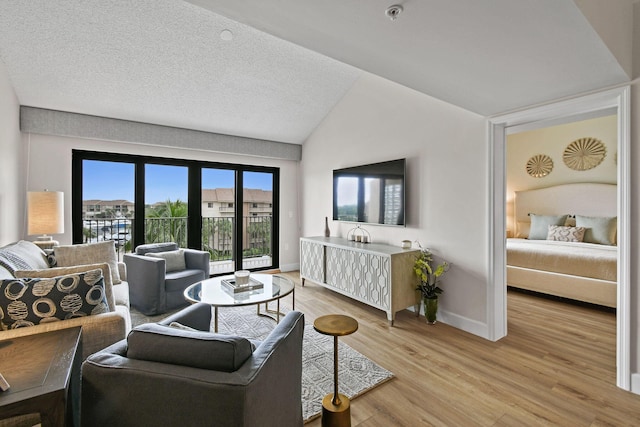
(56, 175)
(552, 141)
(12, 197)
(447, 168)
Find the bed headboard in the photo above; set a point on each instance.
(589, 199)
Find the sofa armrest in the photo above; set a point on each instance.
(122, 269)
(197, 260)
(98, 331)
(277, 360)
(146, 276)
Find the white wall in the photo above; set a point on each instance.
(49, 166)
(12, 195)
(552, 141)
(447, 200)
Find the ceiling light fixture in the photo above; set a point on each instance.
(393, 11)
(226, 35)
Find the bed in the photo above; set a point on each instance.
(583, 270)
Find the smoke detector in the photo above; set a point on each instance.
(393, 11)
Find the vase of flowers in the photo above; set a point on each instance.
(429, 281)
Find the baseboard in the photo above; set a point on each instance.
(289, 267)
(468, 325)
(472, 326)
(635, 383)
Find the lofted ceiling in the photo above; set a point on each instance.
(273, 69)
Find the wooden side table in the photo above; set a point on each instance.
(43, 372)
(336, 408)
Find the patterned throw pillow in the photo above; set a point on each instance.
(565, 234)
(63, 271)
(28, 302)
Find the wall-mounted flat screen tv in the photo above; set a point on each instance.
(373, 193)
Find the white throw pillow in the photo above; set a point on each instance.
(174, 260)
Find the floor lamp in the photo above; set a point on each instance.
(45, 213)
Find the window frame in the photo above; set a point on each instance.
(194, 234)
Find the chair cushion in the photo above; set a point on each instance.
(89, 253)
(198, 349)
(174, 260)
(177, 281)
(28, 302)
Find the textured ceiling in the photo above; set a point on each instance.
(164, 62)
(488, 57)
(290, 61)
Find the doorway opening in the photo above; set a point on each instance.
(611, 100)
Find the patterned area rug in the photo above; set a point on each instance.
(356, 373)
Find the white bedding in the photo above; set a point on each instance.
(572, 258)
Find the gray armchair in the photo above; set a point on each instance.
(166, 376)
(159, 273)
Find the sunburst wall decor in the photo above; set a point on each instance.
(539, 166)
(584, 154)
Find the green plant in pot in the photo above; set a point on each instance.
(429, 280)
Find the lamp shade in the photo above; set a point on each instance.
(45, 212)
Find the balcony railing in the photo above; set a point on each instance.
(217, 237)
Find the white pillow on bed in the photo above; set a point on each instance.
(565, 234)
(540, 225)
(600, 230)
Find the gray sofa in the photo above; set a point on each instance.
(24, 259)
(159, 273)
(171, 376)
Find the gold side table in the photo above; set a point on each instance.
(336, 409)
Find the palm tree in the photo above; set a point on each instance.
(167, 222)
(88, 234)
(259, 231)
(217, 235)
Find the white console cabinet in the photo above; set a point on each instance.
(378, 275)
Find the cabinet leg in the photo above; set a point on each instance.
(302, 281)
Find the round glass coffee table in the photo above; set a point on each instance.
(262, 289)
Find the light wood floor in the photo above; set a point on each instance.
(555, 367)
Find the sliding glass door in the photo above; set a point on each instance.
(228, 210)
(218, 218)
(107, 211)
(257, 219)
(166, 189)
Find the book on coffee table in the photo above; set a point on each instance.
(231, 285)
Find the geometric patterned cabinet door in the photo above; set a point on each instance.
(312, 260)
(375, 274)
(365, 276)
